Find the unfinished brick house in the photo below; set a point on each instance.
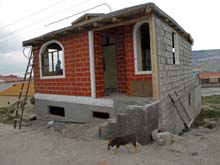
(104, 62)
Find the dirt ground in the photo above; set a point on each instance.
(7, 100)
(78, 144)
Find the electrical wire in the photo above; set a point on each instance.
(18, 36)
(79, 13)
(27, 56)
(32, 14)
(36, 22)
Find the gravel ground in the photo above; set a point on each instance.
(78, 144)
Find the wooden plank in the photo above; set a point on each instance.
(182, 112)
(141, 88)
(98, 24)
(116, 19)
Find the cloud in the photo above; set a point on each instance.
(12, 59)
(10, 46)
(10, 43)
(12, 63)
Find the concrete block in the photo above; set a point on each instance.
(123, 126)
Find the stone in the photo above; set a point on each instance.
(164, 138)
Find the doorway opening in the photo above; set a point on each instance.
(110, 65)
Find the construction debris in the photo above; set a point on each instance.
(164, 137)
(7, 113)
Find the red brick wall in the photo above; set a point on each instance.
(129, 53)
(77, 69)
(121, 64)
(77, 66)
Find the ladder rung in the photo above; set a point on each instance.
(17, 119)
(26, 80)
(20, 100)
(23, 91)
(18, 109)
(30, 65)
(28, 72)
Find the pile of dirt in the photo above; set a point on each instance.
(85, 132)
(7, 114)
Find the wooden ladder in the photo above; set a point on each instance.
(22, 98)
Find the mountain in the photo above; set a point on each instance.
(206, 60)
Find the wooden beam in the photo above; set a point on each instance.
(81, 28)
(121, 23)
(154, 60)
(97, 24)
(87, 17)
(166, 20)
(54, 35)
(116, 19)
(67, 32)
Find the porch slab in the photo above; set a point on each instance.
(122, 101)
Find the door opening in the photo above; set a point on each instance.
(110, 66)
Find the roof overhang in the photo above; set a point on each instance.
(97, 22)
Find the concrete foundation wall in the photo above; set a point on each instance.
(135, 120)
(176, 77)
(73, 112)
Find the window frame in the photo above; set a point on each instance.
(40, 60)
(135, 40)
(175, 48)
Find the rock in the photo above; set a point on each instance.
(154, 134)
(164, 138)
(215, 106)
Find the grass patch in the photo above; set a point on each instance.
(211, 99)
(208, 114)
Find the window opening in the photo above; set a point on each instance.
(102, 115)
(52, 60)
(58, 111)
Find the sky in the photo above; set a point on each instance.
(24, 19)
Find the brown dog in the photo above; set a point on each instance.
(119, 141)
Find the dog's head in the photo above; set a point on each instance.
(110, 144)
